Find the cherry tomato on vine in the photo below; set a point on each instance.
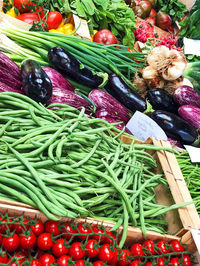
(38, 228)
(21, 5)
(92, 248)
(176, 246)
(161, 261)
(67, 229)
(22, 225)
(97, 229)
(162, 249)
(1, 239)
(186, 260)
(37, 10)
(174, 262)
(53, 20)
(148, 263)
(98, 263)
(28, 242)
(83, 229)
(123, 259)
(109, 240)
(63, 260)
(114, 259)
(76, 251)
(105, 253)
(17, 259)
(35, 262)
(149, 247)
(3, 257)
(136, 249)
(46, 259)
(59, 248)
(52, 227)
(135, 263)
(11, 243)
(4, 226)
(80, 263)
(44, 241)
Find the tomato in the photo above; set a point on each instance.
(83, 229)
(161, 261)
(53, 20)
(148, 245)
(153, 13)
(163, 20)
(109, 240)
(17, 259)
(175, 246)
(186, 260)
(97, 229)
(124, 257)
(44, 241)
(46, 259)
(4, 226)
(63, 260)
(114, 259)
(105, 253)
(59, 248)
(21, 225)
(92, 248)
(52, 228)
(28, 242)
(136, 249)
(146, 6)
(38, 228)
(148, 263)
(105, 37)
(35, 262)
(3, 257)
(162, 249)
(21, 5)
(76, 252)
(80, 263)
(98, 263)
(174, 262)
(28, 18)
(135, 263)
(11, 243)
(67, 228)
(1, 239)
(37, 10)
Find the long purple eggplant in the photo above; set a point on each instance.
(184, 95)
(191, 114)
(5, 88)
(7, 77)
(11, 66)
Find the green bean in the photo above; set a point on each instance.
(125, 226)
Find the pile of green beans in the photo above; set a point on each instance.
(67, 164)
(191, 173)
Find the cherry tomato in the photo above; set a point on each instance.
(186, 260)
(11, 243)
(105, 253)
(148, 263)
(1, 239)
(22, 225)
(4, 226)
(92, 248)
(105, 37)
(114, 259)
(44, 241)
(38, 228)
(21, 5)
(3, 257)
(135, 263)
(53, 20)
(98, 263)
(84, 229)
(123, 259)
(52, 228)
(59, 248)
(67, 229)
(161, 261)
(28, 18)
(136, 249)
(28, 242)
(176, 246)
(109, 240)
(19, 259)
(80, 263)
(97, 229)
(76, 252)
(148, 245)
(161, 245)
(63, 260)
(46, 259)
(35, 262)
(174, 262)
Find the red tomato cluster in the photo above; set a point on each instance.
(34, 243)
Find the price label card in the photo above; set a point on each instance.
(143, 127)
(194, 153)
(196, 237)
(191, 46)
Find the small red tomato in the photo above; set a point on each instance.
(38, 228)
(92, 248)
(18, 258)
(28, 18)
(1, 239)
(63, 260)
(174, 262)
(114, 259)
(59, 248)
(149, 247)
(98, 263)
(162, 249)
(84, 229)
(35, 262)
(135, 263)
(105, 37)
(52, 228)
(46, 259)
(53, 20)
(67, 229)
(22, 5)
(5, 226)
(105, 253)
(27, 242)
(3, 257)
(176, 246)
(11, 243)
(136, 249)
(76, 252)
(148, 263)
(110, 239)
(80, 263)
(186, 260)
(44, 241)
(124, 258)
(97, 229)
(161, 261)
(22, 225)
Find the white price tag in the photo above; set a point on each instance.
(196, 237)
(194, 153)
(191, 46)
(143, 127)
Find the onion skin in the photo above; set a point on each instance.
(191, 114)
(57, 79)
(186, 95)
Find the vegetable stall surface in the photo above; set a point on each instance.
(67, 164)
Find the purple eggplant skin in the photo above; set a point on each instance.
(5, 88)
(160, 99)
(121, 91)
(176, 127)
(7, 77)
(60, 95)
(191, 114)
(184, 95)
(57, 79)
(7, 64)
(104, 100)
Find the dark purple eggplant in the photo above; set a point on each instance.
(7, 64)
(67, 64)
(9, 79)
(35, 82)
(191, 114)
(176, 128)
(4, 87)
(160, 99)
(121, 91)
(184, 95)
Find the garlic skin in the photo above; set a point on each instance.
(152, 78)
